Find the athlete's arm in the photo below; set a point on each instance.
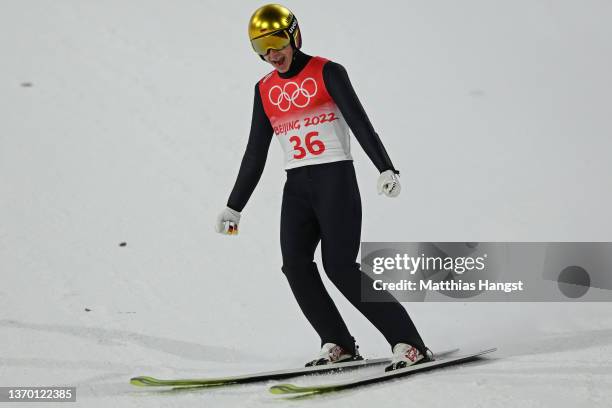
(254, 159)
(340, 89)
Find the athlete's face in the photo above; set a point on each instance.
(280, 59)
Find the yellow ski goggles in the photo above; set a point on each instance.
(274, 41)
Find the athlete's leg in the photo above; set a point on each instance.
(300, 235)
(338, 209)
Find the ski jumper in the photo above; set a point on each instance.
(310, 110)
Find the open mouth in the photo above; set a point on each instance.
(278, 61)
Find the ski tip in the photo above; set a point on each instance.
(143, 381)
(283, 389)
(139, 381)
(286, 389)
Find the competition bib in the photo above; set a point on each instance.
(306, 120)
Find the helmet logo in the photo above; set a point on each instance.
(293, 25)
(292, 94)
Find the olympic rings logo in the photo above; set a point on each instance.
(293, 94)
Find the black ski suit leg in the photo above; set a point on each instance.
(299, 236)
(337, 205)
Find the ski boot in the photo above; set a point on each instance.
(332, 353)
(405, 355)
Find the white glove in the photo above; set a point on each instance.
(227, 222)
(388, 183)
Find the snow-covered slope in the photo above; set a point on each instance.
(126, 121)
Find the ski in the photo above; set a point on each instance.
(145, 381)
(268, 375)
(439, 362)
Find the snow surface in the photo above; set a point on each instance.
(125, 121)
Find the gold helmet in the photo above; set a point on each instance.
(273, 27)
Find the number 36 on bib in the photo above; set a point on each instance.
(310, 144)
